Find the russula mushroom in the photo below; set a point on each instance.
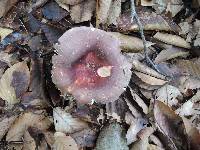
(89, 66)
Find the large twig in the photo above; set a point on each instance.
(135, 16)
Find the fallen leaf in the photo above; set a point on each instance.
(172, 39)
(111, 137)
(130, 43)
(171, 125)
(149, 79)
(85, 138)
(170, 53)
(63, 142)
(149, 20)
(168, 94)
(64, 122)
(114, 12)
(25, 120)
(83, 11)
(5, 6)
(147, 2)
(14, 83)
(186, 109)
(28, 142)
(5, 123)
(4, 32)
(70, 2)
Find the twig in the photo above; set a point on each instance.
(134, 15)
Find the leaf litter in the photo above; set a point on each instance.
(158, 109)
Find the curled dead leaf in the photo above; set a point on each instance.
(5, 6)
(83, 11)
(130, 43)
(170, 54)
(149, 79)
(64, 122)
(63, 142)
(14, 83)
(172, 39)
(171, 125)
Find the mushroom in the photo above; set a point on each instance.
(89, 66)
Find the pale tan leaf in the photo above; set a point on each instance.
(5, 123)
(172, 39)
(14, 83)
(4, 32)
(154, 147)
(147, 2)
(186, 109)
(114, 12)
(140, 67)
(171, 125)
(70, 2)
(170, 54)
(63, 5)
(103, 11)
(63, 142)
(168, 94)
(64, 122)
(149, 20)
(5, 5)
(83, 11)
(29, 142)
(130, 43)
(149, 79)
(22, 123)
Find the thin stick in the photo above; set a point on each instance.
(134, 15)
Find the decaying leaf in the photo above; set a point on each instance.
(186, 109)
(172, 39)
(130, 43)
(5, 123)
(149, 79)
(70, 2)
(29, 142)
(25, 120)
(111, 137)
(135, 126)
(108, 11)
(64, 122)
(170, 54)
(168, 94)
(63, 142)
(5, 5)
(14, 83)
(149, 20)
(63, 5)
(83, 11)
(171, 125)
(4, 32)
(147, 2)
(85, 138)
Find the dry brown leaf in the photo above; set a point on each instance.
(70, 2)
(149, 20)
(149, 79)
(64, 122)
(139, 101)
(4, 32)
(147, 2)
(63, 142)
(168, 94)
(5, 123)
(63, 5)
(114, 12)
(171, 125)
(135, 126)
(103, 11)
(170, 54)
(140, 67)
(172, 39)
(83, 11)
(130, 43)
(14, 83)
(28, 141)
(24, 121)
(5, 5)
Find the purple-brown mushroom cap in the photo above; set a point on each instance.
(89, 65)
